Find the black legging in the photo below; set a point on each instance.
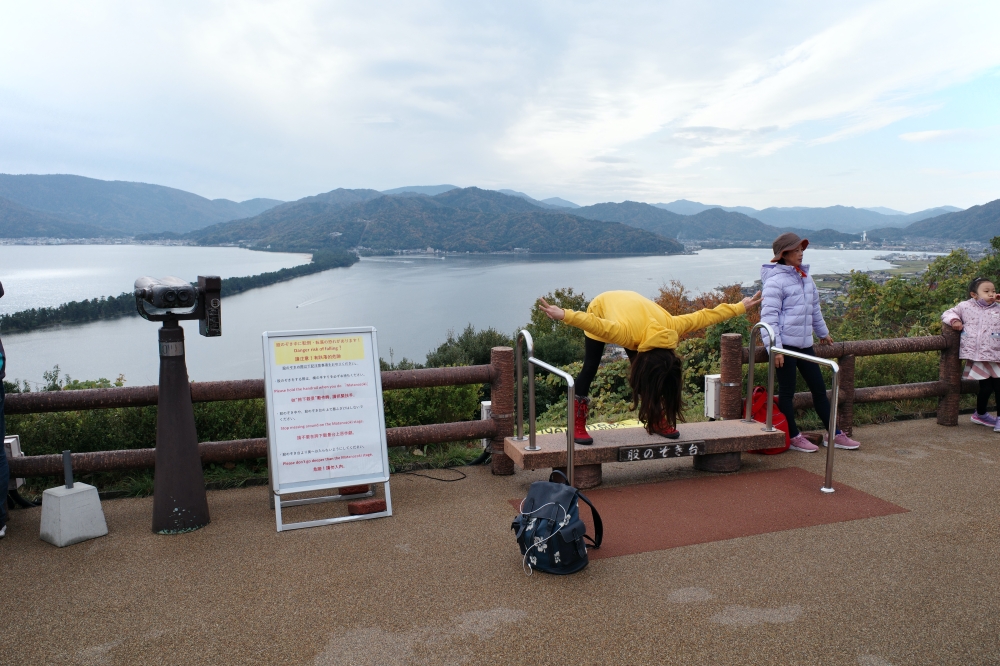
(986, 388)
(593, 351)
(786, 388)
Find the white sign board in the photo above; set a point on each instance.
(326, 425)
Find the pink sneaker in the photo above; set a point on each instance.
(842, 441)
(800, 443)
(984, 419)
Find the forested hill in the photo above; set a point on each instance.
(17, 221)
(125, 208)
(976, 223)
(710, 224)
(460, 220)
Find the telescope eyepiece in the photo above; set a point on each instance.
(177, 299)
(166, 293)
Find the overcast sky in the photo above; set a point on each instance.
(893, 103)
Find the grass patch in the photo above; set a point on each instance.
(433, 456)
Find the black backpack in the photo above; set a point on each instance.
(549, 531)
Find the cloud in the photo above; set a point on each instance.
(945, 135)
(986, 174)
(585, 100)
(865, 70)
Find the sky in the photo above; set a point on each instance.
(773, 103)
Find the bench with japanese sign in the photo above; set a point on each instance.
(706, 442)
(325, 422)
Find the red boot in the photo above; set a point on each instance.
(580, 435)
(664, 429)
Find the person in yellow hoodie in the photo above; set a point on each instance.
(649, 335)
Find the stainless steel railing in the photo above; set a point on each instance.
(747, 418)
(522, 337)
(570, 400)
(834, 393)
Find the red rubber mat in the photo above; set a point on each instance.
(658, 516)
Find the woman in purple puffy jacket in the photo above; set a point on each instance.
(979, 321)
(791, 307)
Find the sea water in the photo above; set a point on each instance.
(413, 301)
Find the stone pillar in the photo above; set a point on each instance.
(584, 476)
(731, 362)
(845, 409)
(950, 375)
(731, 399)
(502, 408)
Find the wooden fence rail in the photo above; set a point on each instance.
(947, 389)
(499, 374)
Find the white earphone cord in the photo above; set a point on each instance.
(564, 523)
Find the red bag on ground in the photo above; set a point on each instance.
(758, 411)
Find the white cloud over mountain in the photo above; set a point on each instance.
(751, 103)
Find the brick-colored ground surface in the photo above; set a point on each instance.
(441, 583)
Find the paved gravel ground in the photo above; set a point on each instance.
(441, 581)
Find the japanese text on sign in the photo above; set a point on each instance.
(324, 423)
(658, 451)
(313, 350)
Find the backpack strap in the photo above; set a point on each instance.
(556, 471)
(598, 525)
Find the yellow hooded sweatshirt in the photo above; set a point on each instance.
(633, 321)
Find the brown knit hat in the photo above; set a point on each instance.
(786, 242)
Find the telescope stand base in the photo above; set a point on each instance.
(719, 462)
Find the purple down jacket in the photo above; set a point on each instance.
(980, 339)
(790, 306)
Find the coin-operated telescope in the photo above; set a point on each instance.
(179, 500)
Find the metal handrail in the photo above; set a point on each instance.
(524, 336)
(834, 393)
(570, 415)
(747, 418)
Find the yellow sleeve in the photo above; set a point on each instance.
(604, 330)
(702, 318)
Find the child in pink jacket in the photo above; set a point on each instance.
(979, 321)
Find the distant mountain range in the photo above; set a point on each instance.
(445, 217)
(17, 221)
(458, 220)
(709, 224)
(977, 223)
(432, 190)
(116, 208)
(841, 218)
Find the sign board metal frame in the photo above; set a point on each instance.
(12, 447)
(280, 488)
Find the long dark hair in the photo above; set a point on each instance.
(655, 379)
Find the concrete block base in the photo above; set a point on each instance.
(72, 515)
(719, 462)
(584, 476)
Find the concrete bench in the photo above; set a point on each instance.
(715, 446)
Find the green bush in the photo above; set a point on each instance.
(555, 342)
(470, 348)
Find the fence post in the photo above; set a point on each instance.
(845, 411)
(502, 407)
(731, 366)
(949, 374)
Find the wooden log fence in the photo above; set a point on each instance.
(499, 374)
(947, 389)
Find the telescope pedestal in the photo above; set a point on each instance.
(179, 500)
